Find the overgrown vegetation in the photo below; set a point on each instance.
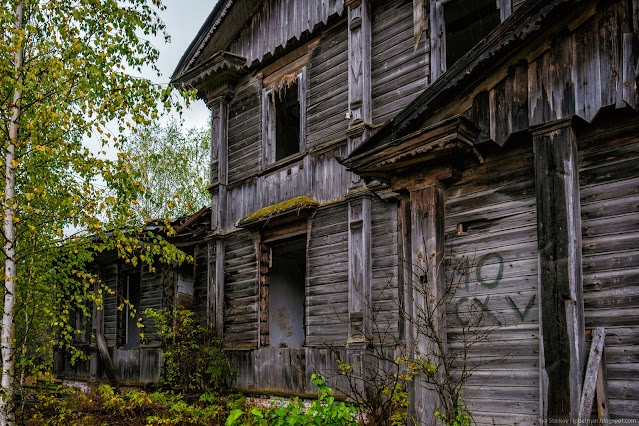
(193, 358)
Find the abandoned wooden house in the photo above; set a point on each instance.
(361, 145)
(112, 339)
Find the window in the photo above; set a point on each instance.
(129, 290)
(285, 293)
(458, 25)
(467, 23)
(284, 108)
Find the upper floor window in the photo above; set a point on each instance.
(458, 25)
(467, 23)
(284, 108)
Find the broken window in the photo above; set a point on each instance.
(284, 108)
(467, 23)
(283, 293)
(128, 307)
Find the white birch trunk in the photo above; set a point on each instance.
(7, 414)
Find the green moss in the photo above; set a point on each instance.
(297, 203)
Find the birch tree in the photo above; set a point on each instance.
(65, 77)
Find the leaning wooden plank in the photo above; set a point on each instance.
(592, 372)
(602, 392)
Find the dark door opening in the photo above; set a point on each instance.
(287, 289)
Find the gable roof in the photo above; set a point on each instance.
(253, 29)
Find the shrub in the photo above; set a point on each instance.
(193, 358)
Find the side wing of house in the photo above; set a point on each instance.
(519, 164)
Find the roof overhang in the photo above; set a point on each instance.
(446, 144)
(293, 209)
(533, 19)
(221, 70)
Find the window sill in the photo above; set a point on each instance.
(282, 163)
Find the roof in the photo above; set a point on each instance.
(293, 206)
(511, 36)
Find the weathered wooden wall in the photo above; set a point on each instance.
(609, 178)
(277, 22)
(398, 72)
(240, 291)
(327, 101)
(245, 131)
(385, 301)
(109, 275)
(327, 277)
(200, 286)
(495, 264)
(151, 295)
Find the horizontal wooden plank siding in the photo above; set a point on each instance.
(494, 263)
(398, 72)
(278, 21)
(245, 131)
(327, 277)
(327, 96)
(110, 279)
(240, 291)
(200, 284)
(609, 177)
(385, 309)
(151, 295)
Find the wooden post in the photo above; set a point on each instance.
(359, 270)
(560, 274)
(215, 288)
(219, 159)
(428, 285)
(359, 61)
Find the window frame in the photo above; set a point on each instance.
(438, 32)
(269, 119)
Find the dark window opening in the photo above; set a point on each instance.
(467, 23)
(287, 121)
(287, 289)
(129, 301)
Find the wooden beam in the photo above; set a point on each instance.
(359, 269)
(427, 241)
(359, 62)
(592, 374)
(560, 274)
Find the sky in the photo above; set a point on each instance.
(183, 19)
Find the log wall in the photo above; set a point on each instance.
(277, 22)
(398, 71)
(327, 277)
(609, 166)
(240, 291)
(496, 306)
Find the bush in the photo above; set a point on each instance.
(323, 411)
(193, 358)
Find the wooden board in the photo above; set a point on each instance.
(498, 250)
(610, 230)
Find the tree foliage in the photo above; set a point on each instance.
(171, 165)
(65, 77)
